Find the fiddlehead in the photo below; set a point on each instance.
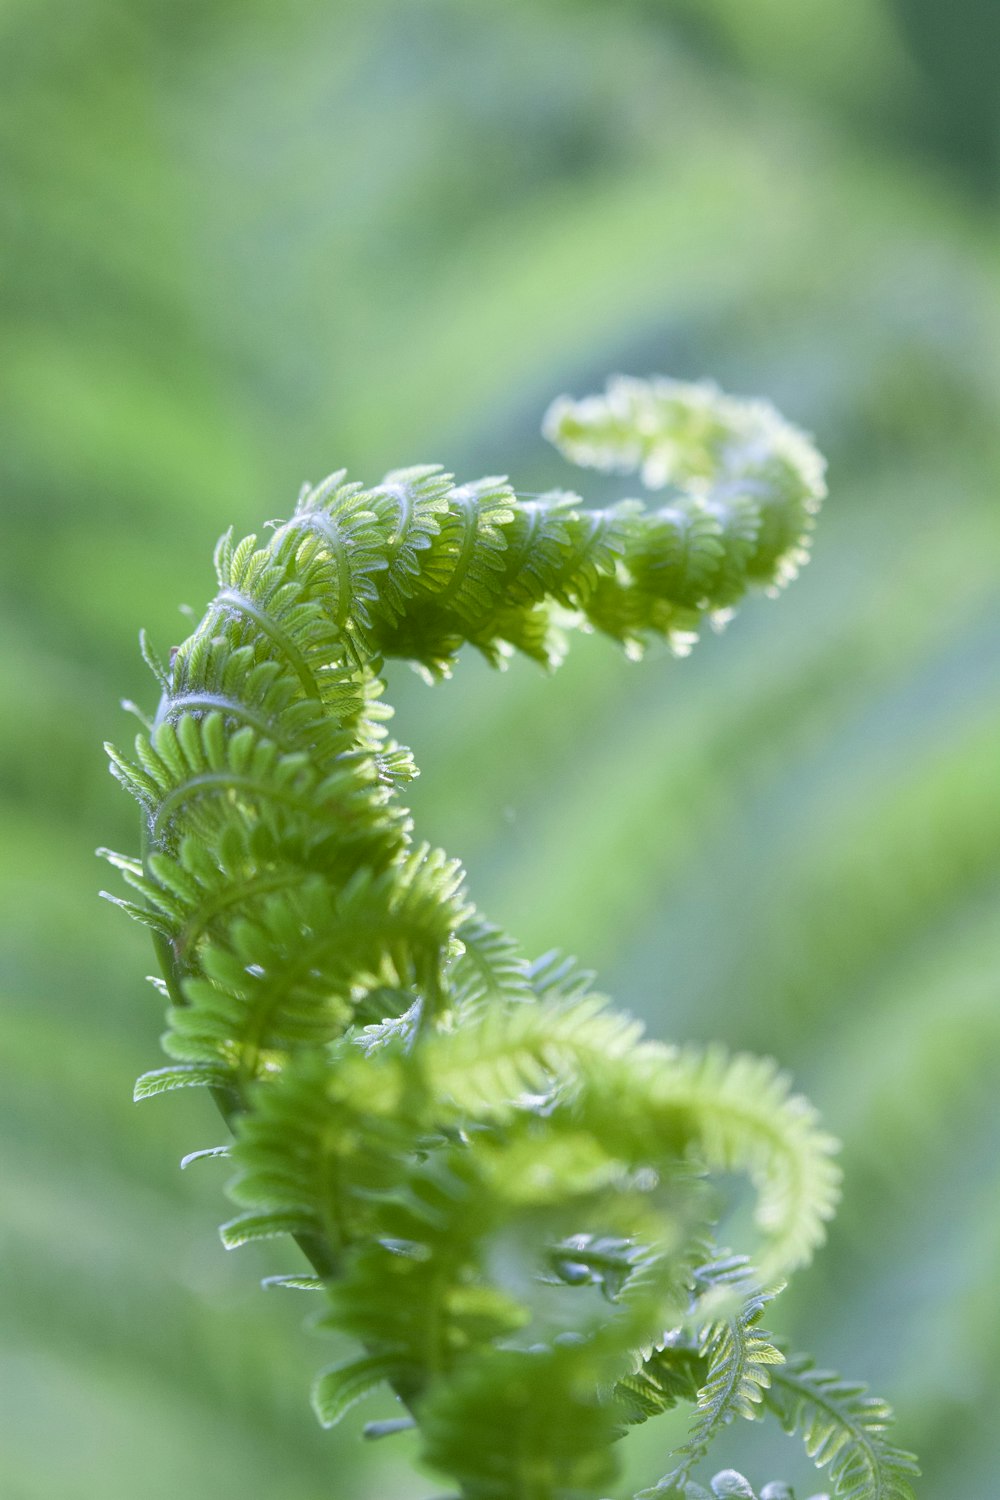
(501, 1186)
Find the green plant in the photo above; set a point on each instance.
(503, 1190)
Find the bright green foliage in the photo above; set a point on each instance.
(503, 1189)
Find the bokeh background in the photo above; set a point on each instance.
(245, 243)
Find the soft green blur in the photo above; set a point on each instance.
(242, 244)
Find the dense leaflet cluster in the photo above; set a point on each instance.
(502, 1188)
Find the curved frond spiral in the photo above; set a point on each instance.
(504, 1191)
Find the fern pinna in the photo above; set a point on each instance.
(502, 1188)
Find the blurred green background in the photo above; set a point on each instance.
(245, 243)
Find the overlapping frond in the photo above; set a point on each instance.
(500, 1185)
(743, 1117)
(669, 1375)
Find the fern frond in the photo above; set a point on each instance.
(844, 1429)
(498, 1182)
(740, 1358)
